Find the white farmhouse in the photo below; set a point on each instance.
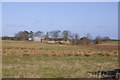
(37, 39)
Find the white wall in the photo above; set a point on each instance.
(37, 39)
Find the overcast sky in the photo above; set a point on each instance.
(97, 18)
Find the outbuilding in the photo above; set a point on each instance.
(37, 39)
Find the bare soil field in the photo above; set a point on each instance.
(26, 59)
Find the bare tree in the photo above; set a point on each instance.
(24, 35)
(47, 35)
(76, 39)
(98, 39)
(55, 33)
(72, 38)
(31, 34)
(66, 34)
(38, 34)
(106, 38)
(88, 35)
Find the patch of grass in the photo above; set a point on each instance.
(55, 66)
(109, 43)
(37, 48)
(22, 59)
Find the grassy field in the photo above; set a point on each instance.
(41, 60)
(109, 43)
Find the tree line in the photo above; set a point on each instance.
(74, 38)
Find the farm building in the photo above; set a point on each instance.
(85, 40)
(54, 40)
(37, 39)
(50, 40)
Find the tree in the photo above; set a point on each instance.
(66, 34)
(22, 35)
(55, 33)
(88, 35)
(31, 34)
(38, 34)
(47, 35)
(76, 39)
(72, 38)
(106, 38)
(98, 39)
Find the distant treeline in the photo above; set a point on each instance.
(74, 38)
(12, 38)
